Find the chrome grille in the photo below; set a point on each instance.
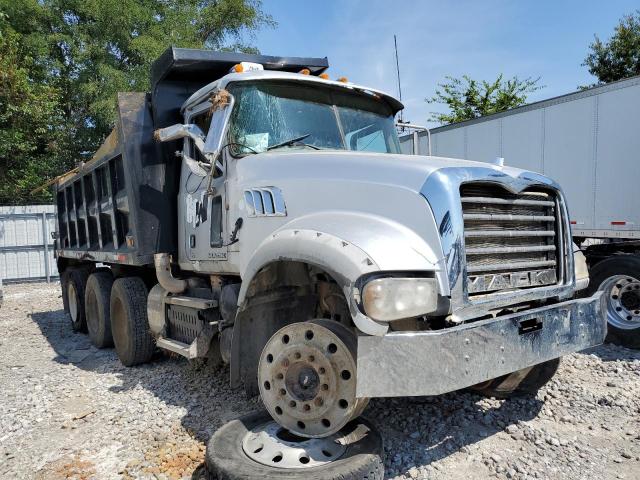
(510, 239)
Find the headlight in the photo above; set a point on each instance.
(392, 298)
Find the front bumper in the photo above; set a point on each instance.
(435, 362)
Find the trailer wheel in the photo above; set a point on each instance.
(619, 278)
(254, 447)
(129, 326)
(75, 284)
(523, 382)
(97, 298)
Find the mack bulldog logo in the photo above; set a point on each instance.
(502, 281)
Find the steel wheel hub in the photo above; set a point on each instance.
(623, 301)
(307, 378)
(272, 445)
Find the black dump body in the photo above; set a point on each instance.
(121, 207)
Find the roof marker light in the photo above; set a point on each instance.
(305, 71)
(619, 222)
(324, 76)
(246, 67)
(343, 80)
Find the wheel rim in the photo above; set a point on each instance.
(272, 445)
(72, 295)
(623, 301)
(307, 378)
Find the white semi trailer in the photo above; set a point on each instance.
(589, 142)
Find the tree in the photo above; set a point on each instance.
(30, 119)
(467, 98)
(87, 51)
(619, 57)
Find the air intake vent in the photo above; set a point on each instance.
(510, 239)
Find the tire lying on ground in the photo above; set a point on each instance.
(619, 279)
(523, 382)
(75, 282)
(129, 326)
(226, 458)
(97, 298)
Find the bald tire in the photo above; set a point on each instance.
(226, 460)
(129, 325)
(537, 378)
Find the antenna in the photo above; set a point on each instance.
(395, 43)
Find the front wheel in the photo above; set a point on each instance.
(618, 277)
(307, 378)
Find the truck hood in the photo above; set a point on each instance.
(405, 171)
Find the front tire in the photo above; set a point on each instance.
(619, 278)
(129, 325)
(227, 460)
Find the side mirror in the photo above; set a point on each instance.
(177, 131)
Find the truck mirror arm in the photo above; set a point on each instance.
(178, 131)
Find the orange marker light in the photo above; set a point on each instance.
(343, 80)
(324, 76)
(305, 71)
(238, 68)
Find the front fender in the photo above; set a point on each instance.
(346, 246)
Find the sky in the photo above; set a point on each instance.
(547, 39)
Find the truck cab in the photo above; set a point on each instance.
(325, 266)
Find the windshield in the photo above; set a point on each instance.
(274, 115)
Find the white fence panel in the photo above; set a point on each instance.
(26, 246)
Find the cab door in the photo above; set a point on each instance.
(204, 197)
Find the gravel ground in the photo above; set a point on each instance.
(68, 410)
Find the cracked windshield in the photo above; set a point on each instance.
(273, 116)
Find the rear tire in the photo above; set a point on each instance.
(75, 284)
(226, 459)
(522, 382)
(97, 299)
(619, 278)
(129, 325)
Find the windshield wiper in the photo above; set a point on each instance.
(294, 141)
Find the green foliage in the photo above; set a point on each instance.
(30, 118)
(69, 58)
(619, 57)
(467, 98)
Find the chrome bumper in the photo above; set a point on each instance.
(436, 362)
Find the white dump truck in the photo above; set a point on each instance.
(588, 142)
(252, 211)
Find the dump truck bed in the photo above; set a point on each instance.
(121, 207)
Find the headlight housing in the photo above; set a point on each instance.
(395, 298)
